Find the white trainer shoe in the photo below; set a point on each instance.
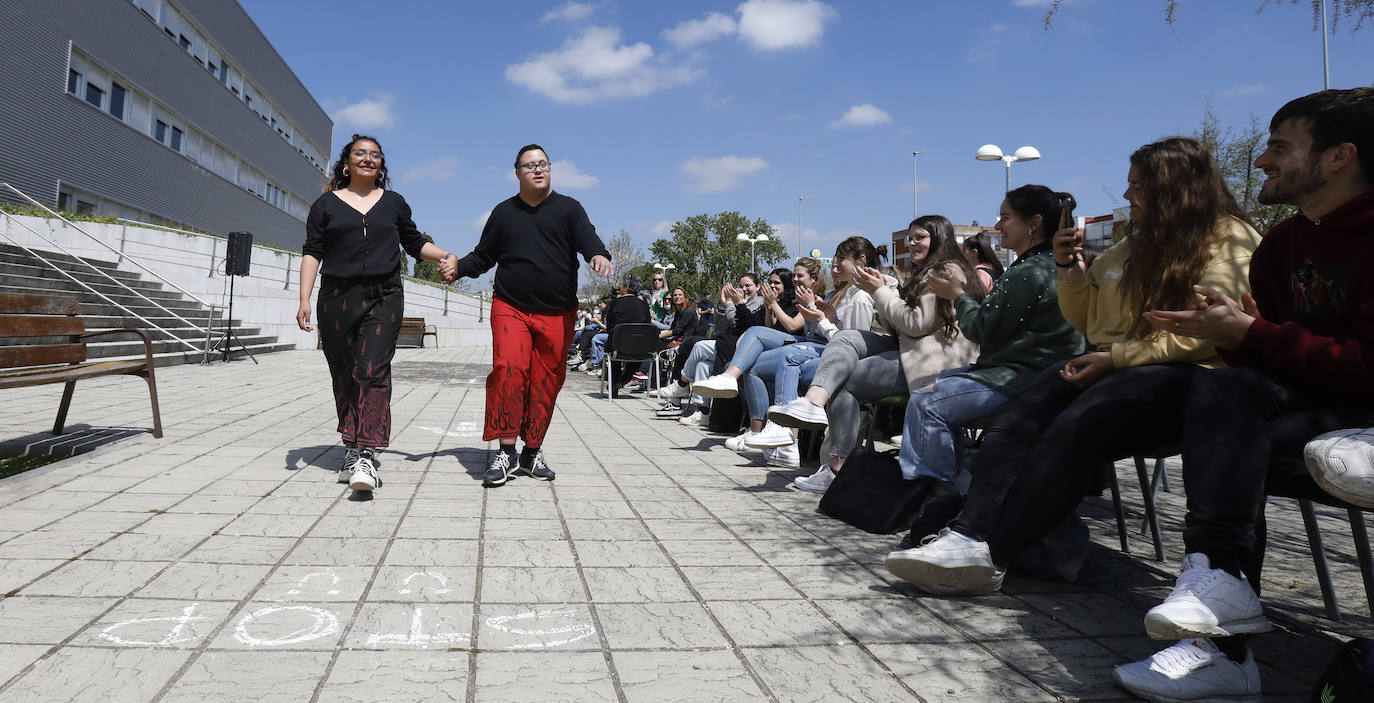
(737, 443)
(1206, 602)
(364, 477)
(949, 564)
(772, 435)
(818, 482)
(717, 386)
(696, 419)
(1192, 670)
(1342, 463)
(673, 389)
(786, 457)
(801, 413)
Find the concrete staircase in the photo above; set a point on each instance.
(22, 273)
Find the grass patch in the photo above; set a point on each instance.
(12, 465)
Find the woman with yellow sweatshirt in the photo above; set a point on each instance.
(1042, 448)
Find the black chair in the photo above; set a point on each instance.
(629, 342)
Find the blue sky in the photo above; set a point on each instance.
(655, 111)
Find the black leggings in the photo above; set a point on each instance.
(359, 320)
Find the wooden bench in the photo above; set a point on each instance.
(416, 325)
(43, 340)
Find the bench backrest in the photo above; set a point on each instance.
(37, 330)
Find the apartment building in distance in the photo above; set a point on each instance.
(173, 112)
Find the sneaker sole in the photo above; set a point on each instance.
(770, 443)
(486, 483)
(970, 580)
(785, 464)
(362, 486)
(1149, 695)
(809, 488)
(714, 392)
(1159, 627)
(786, 420)
(529, 473)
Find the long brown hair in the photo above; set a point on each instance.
(1184, 196)
(339, 177)
(944, 251)
(686, 299)
(813, 269)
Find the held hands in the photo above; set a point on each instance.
(602, 266)
(866, 278)
(1083, 371)
(448, 268)
(942, 285)
(1068, 249)
(303, 316)
(1217, 319)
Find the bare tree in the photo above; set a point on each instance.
(1354, 11)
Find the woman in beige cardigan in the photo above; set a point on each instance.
(923, 338)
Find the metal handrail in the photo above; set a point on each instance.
(103, 243)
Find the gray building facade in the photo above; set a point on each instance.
(175, 112)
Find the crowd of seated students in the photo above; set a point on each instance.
(1191, 331)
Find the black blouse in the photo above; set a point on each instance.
(350, 244)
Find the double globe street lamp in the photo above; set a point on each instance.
(753, 261)
(992, 152)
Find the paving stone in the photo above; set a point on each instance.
(825, 674)
(711, 553)
(738, 583)
(880, 621)
(432, 552)
(537, 677)
(311, 584)
(684, 677)
(780, 622)
(15, 657)
(499, 551)
(240, 549)
(96, 578)
(397, 677)
(205, 581)
(621, 553)
(219, 677)
(17, 572)
(97, 675)
(52, 545)
(138, 623)
(659, 626)
(421, 626)
(635, 585)
(433, 584)
(507, 584)
(47, 620)
(536, 626)
(336, 551)
(1074, 669)
(949, 673)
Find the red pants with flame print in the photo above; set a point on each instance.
(528, 366)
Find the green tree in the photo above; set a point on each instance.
(1235, 153)
(625, 255)
(426, 270)
(706, 253)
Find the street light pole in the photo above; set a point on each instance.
(1326, 56)
(992, 152)
(800, 198)
(914, 213)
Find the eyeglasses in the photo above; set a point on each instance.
(534, 166)
(656, 278)
(364, 153)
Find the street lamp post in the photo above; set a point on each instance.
(753, 260)
(800, 198)
(992, 152)
(914, 213)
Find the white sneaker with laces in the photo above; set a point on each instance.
(1206, 602)
(817, 482)
(364, 477)
(786, 457)
(668, 409)
(1193, 670)
(1342, 463)
(736, 443)
(772, 435)
(696, 419)
(717, 386)
(948, 564)
(799, 412)
(674, 390)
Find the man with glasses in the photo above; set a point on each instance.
(533, 238)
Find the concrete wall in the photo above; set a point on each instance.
(267, 299)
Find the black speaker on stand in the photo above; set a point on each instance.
(236, 263)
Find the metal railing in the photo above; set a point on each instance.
(120, 284)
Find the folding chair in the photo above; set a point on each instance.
(629, 342)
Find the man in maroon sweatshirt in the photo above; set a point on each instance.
(1300, 350)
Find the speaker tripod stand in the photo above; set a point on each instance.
(229, 338)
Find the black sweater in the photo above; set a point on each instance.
(537, 250)
(350, 244)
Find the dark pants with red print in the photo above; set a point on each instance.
(527, 371)
(359, 320)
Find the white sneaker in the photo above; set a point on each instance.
(364, 477)
(1192, 670)
(696, 419)
(1342, 463)
(736, 443)
(817, 482)
(799, 412)
(948, 564)
(668, 409)
(1206, 602)
(674, 389)
(787, 457)
(772, 435)
(718, 386)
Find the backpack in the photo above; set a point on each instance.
(1350, 678)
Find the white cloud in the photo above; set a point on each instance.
(367, 114)
(595, 65)
(443, 168)
(662, 229)
(770, 25)
(569, 12)
(692, 32)
(722, 173)
(786, 233)
(481, 221)
(566, 176)
(865, 115)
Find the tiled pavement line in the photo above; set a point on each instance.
(347, 627)
(735, 648)
(474, 643)
(120, 600)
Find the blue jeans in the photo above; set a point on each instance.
(755, 341)
(798, 366)
(598, 348)
(931, 419)
(698, 366)
(755, 390)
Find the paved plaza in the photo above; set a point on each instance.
(223, 562)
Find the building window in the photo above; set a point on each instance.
(176, 139)
(160, 132)
(117, 100)
(94, 95)
(224, 73)
(184, 42)
(211, 67)
(63, 200)
(73, 80)
(84, 208)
